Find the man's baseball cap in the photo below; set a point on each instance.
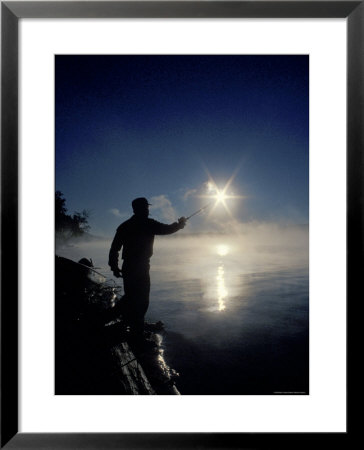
(139, 203)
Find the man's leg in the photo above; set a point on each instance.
(136, 288)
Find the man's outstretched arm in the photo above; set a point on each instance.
(162, 228)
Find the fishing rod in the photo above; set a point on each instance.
(91, 268)
(200, 210)
(105, 278)
(110, 279)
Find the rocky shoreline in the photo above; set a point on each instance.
(94, 352)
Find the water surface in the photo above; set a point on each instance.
(235, 308)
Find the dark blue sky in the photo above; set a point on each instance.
(129, 126)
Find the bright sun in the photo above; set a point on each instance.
(219, 196)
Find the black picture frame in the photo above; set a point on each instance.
(11, 12)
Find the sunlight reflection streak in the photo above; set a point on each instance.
(222, 292)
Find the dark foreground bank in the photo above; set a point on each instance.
(93, 350)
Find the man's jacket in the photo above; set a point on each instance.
(136, 237)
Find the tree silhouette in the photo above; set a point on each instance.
(67, 225)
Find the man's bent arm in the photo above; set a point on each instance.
(115, 248)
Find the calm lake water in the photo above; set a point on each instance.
(235, 308)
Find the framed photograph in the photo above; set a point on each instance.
(181, 222)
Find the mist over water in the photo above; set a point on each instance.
(235, 306)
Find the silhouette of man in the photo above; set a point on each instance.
(136, 237)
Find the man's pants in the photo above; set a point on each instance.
(136, 288)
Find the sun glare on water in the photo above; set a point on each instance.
(222, 292)
(222, 250)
